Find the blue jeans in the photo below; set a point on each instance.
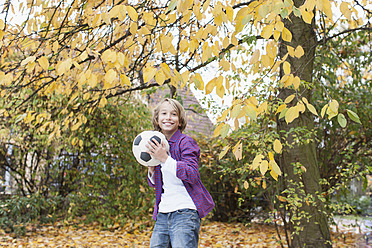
(178, 229)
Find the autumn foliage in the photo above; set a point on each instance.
(65, 66)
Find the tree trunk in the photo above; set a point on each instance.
(308, 222)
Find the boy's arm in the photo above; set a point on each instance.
(188, 167)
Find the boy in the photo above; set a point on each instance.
(181, 199)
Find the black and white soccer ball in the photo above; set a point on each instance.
(140, 150)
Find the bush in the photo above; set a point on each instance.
(236, 190)
(101, 179)
(353, 204)
(17, 211)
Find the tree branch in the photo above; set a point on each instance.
(344, 32)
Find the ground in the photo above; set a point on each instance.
(212, 234)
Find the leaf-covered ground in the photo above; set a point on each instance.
(212, 234)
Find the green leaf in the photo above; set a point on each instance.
(284, 13)
(353, 116)
(172, 5)
(282, 114)
(251, 113)
(296, 11)
(341, 120)
(287, 3)
(224, 130)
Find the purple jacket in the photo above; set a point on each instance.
(186, 152)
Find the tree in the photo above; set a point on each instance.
(76, 54)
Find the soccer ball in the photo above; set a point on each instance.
(140, 150)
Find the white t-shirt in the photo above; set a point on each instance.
(175, 196)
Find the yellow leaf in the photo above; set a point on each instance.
(184, 45)
(286, 35)
(286, 67)
(223, 116)
(198, 81)
(327, 9)
(110, 76)
(235, 191)
(291, 114)
(281, 198)
(271, 156)
(307, 16)
(2, 25)
(278, 146)
(264, 184)
(267, 31)
(92, 81)
(312, 109)
(296, 82)
(55, 47)
(63, 67)
(28, 60)
(333, 105)
(289, 98)
(220, 90)
(160, 77)
(274, 166)
(166, 70)
(262, 108)
(263, 10)
(238, 151)
(230, 13)
(281, 107)
(224, 151)
(148, 73)
(210, 86)
(276, 35)
(133, 28)
(76, 126)
(284, 79)
(267, 61)
(114, 12)
(76, 64)
(235, 111)
(274, 175)
(102, 102)
(83, 56)
(132, 13)
(246, 185)
(299, 52)
(301, 107)
(291, 51)
(217, 130)
(257, 161)
(264, 166)
(124, 80)
(120, 57)
(255, 57)
(279, 25)
(43, 62)
(323, 111)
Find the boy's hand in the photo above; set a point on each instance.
(157, 150)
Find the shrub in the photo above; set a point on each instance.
(17, 211)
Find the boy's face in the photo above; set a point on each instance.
(168, 119)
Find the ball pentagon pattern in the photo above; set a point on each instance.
(140, 150)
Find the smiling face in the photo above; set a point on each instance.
(168, 119)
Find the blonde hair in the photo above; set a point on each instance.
(179, 110)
